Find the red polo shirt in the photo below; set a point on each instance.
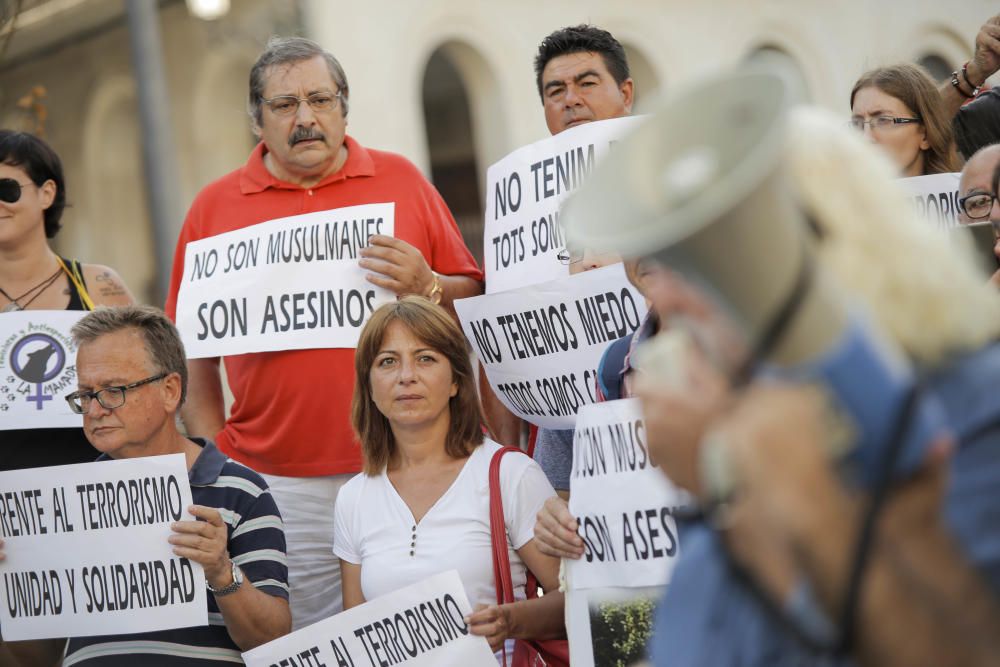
(291, 415)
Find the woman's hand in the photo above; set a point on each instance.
(555, 530)
(492, 622)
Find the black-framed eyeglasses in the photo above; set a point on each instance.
(109, 398)
(10, 190)
(567, 257)
(286, 105)
(977, 205)
(881, 122)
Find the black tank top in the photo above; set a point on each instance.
(39, 447)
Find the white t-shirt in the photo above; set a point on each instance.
(373, 527)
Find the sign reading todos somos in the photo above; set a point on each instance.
(522, 234)
(541, 345)
(37, 369)
(421, 625)
(87, 553)
(286, 284)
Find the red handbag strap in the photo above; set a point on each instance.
(498, 531)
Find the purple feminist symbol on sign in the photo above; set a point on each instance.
(36, 359)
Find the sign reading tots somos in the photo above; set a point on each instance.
(37, 369)
(421, 625)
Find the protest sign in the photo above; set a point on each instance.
(37, 369)
(625, 507)
(287, 284)
(421, 625)
(935, 197)
(541, 345)
(87, 552)
(522, 234)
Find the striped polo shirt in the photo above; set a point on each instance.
(256, 543)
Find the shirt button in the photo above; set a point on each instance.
(411, 553)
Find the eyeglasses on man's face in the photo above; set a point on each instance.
(10, 190)
(880, 122)
(286, 105)
(977, 205)
(567, 257)
(109, 398)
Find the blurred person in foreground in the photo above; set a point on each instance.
(34, 277)
(297, 437)
(422, 504)
(737, 584)
(133, 379)
(899, 109)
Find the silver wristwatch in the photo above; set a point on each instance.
(231, 588)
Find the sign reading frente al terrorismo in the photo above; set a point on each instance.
(421, 625)
(522, 236)
(37, 369)
(61, 576)
(623, 501)
(934, 197)
(541, 345)
(286, 284)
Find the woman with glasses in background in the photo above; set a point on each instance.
(900, 109)
(34, 277)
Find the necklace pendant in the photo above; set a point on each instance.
(11, 307)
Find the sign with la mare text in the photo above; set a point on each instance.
(522, 233)
(37, 369)
(623, 501)
(422, 625)
(87, 553)
(286, 284)
(541, 345)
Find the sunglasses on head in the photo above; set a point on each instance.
(10, 190)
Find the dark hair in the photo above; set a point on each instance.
(432, 325)
(40, 163)
(163, 343)
(286, 51)
(913, 86)
(582, 39)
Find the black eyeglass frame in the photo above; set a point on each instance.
(896, 120)
(962, 200)
(96, 395)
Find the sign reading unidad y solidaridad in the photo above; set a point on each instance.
(37, 369)
(61, 576)
(522, 235)
(421, 625)
(541, 345)
(935, 197)
(287, 284)
(624, 503)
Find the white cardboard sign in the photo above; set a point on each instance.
(935, 197)
(286, 284)
(623, 502)
(541, 345)
(87, 552)
(37, 369)
(421, 625)
(522, 234)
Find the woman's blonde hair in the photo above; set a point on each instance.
(923, 288)
(433, 326)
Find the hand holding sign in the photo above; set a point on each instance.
(555, 530)
(492, 622)
(204, 542)
(398, 266)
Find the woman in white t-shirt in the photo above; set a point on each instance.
(421, 506)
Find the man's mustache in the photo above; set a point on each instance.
(305, 134)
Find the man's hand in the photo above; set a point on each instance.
(397, 266)
(555, 530)
(986, 59)
(204, 542)
(492, 622)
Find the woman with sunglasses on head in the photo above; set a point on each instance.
(33, 277)
(900, 109)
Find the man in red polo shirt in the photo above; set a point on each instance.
(290, 419)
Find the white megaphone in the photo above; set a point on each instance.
(701, 188)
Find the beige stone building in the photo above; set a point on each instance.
(448, 83)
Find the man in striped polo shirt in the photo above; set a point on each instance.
(132, 378)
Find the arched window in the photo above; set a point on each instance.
(938, 67)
